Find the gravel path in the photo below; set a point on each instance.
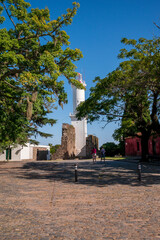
(40, 200)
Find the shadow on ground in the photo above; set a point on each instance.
(100, 173)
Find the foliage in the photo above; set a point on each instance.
(113, 149)
(54, 148)
(130, 94)
(35, 52)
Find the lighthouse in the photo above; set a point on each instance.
(79, 125)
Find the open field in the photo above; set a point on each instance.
(41, 200)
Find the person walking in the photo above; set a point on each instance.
(94, 151)
(103, 154)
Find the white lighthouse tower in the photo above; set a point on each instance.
(79, 125)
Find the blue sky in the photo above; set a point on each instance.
(97, 30)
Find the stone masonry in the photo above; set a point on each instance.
(91, 141)
(67, 148)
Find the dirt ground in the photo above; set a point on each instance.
(41, 200)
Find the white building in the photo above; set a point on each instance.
(79, 125)
(23, 152)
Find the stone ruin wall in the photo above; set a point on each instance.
(91, 141)
(67, 148)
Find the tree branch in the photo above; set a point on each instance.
(35, 36)
(156, 25)
(9, 84)
(47, 34)
(9, 15)
(11, 72)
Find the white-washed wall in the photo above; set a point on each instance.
(25, 152)
(3, 156)
(22, 152)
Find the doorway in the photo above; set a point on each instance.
(8, 154)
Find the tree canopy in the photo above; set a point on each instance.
(130, 94)
(112, 149)
(35, 52)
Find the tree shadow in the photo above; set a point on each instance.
(99, 174)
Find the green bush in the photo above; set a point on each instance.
(113, 149)
(54, 148)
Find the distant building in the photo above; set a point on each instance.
(27, 152)
(133, 146)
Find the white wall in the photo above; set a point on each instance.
(15, 154)
(78, 97)
(3, 156)
(81, 134)
(43, 146)
(22, 152)
(80, 126)
(26, 151)
(18, 153)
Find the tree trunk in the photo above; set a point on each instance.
(144, 143)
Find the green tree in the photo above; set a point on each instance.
(111, 149)
(35, 52)
(130, 94)
(53, 148)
